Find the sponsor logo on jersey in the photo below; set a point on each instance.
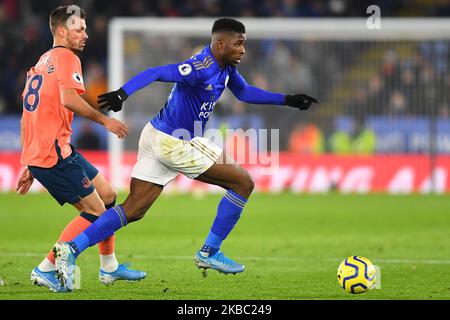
(206, 109)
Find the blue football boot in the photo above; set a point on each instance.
(122, 273)
(65, 264)
(217, 261)
(46, 279)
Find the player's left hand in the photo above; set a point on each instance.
(112, 100)
(25, 182)
(300, 101)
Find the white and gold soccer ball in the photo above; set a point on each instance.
(356, 274)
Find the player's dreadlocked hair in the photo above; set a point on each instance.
(228, 25)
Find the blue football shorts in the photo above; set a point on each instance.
(69, 180)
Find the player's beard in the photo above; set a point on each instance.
(233, 63)
(76, 46)
(230, 62)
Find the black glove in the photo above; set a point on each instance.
(300, 101)
(112, 100)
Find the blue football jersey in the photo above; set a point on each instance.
(193, 99)
(199, 83)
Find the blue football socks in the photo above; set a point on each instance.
(228, 214)
(109, 222)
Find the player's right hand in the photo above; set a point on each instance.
(116, 127)
(25, 182)
(112, 100)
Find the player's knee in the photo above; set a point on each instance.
(134, 212)
(249, 185)
(245, 186)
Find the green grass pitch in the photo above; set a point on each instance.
(291, 246)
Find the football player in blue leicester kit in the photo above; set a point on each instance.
(163, 153)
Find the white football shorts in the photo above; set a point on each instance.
(161, 157)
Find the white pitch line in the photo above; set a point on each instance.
(21, 254)
(413, 261)
(177, 257)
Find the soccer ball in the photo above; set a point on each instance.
(356, 274)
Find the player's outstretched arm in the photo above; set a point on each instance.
(250, 94)
(182, 73)
(71, 100)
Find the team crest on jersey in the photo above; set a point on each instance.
(76, 76)
(86, 182)
(185, 69)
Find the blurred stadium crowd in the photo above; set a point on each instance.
(410, 80)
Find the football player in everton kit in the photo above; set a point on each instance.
(165, 150)
(50, 98)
